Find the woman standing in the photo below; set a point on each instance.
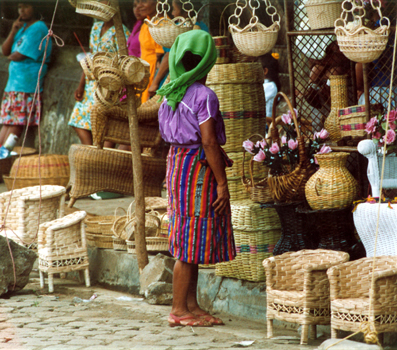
(22, 48)
(102, 38)
(200, 217)
(133, 45)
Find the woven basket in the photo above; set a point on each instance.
(323, 13)
(164, 30)
(88, 67)
(353, 119)
(104, 60)
(362, 45)
(256, 232)
(105, 99)
(97, 224)
(131, 247)
(156, 203)
(236, 189)
(332, 186)
(119, 244)
(110, 78)
(135, 71)
(290, 187)
(54, 170)
(255, 40)
(6, 163)
(96, 9)
(102, 241)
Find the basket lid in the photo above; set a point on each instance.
(51, 165)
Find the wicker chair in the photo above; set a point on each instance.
(298, 288)
(350, 285)
(62, 247)
(28, 208)
(365, 215)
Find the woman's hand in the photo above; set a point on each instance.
(153, 88)
(222, 202)
(18, 24)
(79, 93)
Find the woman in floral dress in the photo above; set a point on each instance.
(102, 38)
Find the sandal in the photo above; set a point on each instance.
(211, 319)
(192, 321)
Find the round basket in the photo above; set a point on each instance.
(323, 13)
(164, 31)
(255, 40)
(135, 71)
(110, 78)
(96, 9)
(103, 60)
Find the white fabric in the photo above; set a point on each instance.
(270, 88)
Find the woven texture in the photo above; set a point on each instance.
(322, 13)
(96, 9)
(6, 163)
(350, 285)
(100, 224)
(93, 170)
(25, 211)
(62, 247)
(298, 288)
(256, 232)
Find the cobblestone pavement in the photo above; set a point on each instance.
(33, 319)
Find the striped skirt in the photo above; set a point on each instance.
(196, 234)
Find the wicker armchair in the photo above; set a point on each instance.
(28, 208)
(62, 247)
(298, 288)
(350, 285)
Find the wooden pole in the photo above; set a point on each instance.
(140, 240)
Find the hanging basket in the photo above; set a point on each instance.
(103, 60)
(88, 67)
(110, 78)
(323, 13)
(357, 42)
(96, 9)
(255, 39)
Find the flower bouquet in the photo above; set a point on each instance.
(376, 127)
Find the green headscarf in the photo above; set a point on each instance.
(199, 43)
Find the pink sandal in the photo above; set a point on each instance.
(192, 321)
(211, 319)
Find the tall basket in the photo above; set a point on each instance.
(358, 42)
(255, 39)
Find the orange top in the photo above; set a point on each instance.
(149, 51)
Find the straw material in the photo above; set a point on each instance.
(131, 247)
(323, 13)
(255, 40)
(164, 225)
(350, 285)
(236, 189)
(96, 9)
(100, 224)
(353, 119)
(134, 70)
(88, 67)
(236, 73)
(237, 57)
(110, 78)
(6, 163)
(156, 203)
(101, 241)
(94, 170)
(298, 289)
(28, 207)
(119, 243)
(332, 186)
(164, 30)
(256, 232)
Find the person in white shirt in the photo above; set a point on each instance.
(272, 83)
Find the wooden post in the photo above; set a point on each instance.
(140, 240)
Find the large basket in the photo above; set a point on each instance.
(96, 9)
(6, 163)
(256, 232)
(323, 13)
(164, 31)
(290, 187)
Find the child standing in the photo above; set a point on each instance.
(272, 83)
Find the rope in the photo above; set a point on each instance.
(4, 227)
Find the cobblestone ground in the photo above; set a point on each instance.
(33, 319)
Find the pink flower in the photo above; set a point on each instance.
(260, 157)
(377, 135)
(286, 118)
(392, 116)
(325, 149)
(323, 134)
(260, 144)
(316, 135)
(292, 144)
(274, 149)
(390, 137)
(248, 146)
(370, 126)
(283, 139)
(392, 126)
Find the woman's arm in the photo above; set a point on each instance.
(161, 73)
(217, 164)
(79, 93)
(7, 45)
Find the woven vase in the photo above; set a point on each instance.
(339, 99)
(332, 186)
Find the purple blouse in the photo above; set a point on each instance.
(182, 127)
(133, 44)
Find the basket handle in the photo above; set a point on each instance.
(318, 180)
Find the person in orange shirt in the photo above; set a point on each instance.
(151, 52)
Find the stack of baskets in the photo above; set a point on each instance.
(256, 232)
(239, 88)
(98, 230)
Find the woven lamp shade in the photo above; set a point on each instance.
(51, 169)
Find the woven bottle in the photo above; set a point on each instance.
(339, 99)
(332, 186)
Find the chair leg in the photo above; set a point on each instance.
(313, 332)
(72, 200)
(305, 334)
(334, 333)
(269, 328)
(41, 279)
(87, 277)
(50, 283)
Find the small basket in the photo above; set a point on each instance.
(353, 119)
(102, 241)
(323, 13)
(110, 78)
(164, 31)
(99, 224)
(135, 71)
(96, 9)
(88, 67)
(157, 244)
(103, 60)
(119, 244)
